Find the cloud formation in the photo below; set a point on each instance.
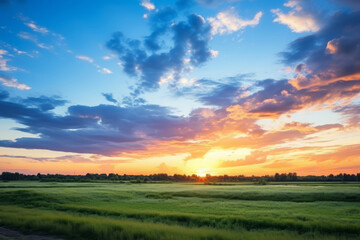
(301, 18)
(109, 97)
(12, 82)
(4, 67)
(148, 5)
(330, 55)
(85, 58)
(144, 59)
(227, 22)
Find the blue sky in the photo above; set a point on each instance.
(255, 66)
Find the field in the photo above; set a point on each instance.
(182, 211)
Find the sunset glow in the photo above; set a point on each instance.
(180, 87)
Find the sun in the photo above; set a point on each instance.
(201, 172)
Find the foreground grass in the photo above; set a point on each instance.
(151, 211)
(91, 227)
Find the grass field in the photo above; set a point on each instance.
(182, 211)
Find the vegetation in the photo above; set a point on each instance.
(112, 177)
(182, 210)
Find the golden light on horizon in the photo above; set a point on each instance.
(202, 172)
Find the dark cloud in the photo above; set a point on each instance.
(153, 60)
(44, 103)
(102, 129)
(299, 49)
(3, 94)
(221, 93)
(269, 98)
(349, 3)
(351, 112)
(332, 54)
(109, 97)
(70, 158)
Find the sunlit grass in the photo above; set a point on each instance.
(182, 211)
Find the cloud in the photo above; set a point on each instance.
(12, 82)
(39, 29)
(105, 71)
(88, 59)
(109, 97)
(227, 22)
(73, 159)
(352, 114)
(85, 58)
(103, 129)
(34, 39)
(3, 94)
(142, 58)
(165, 168)
(300, 19)
(44, 103)
(36, 28)
(148, 5)
(223, 92)
(349, 3)
(255, 157)
(340, 153)
(3, 62)
(330, 55)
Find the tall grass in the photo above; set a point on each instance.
(110, 211)
(274, 196)
(34, 199)
(73, 226)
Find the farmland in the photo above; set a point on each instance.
(182, 210)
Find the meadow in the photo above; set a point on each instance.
(182, 210)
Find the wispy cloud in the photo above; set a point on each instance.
(39, 29)
(36, 28)
(148, 5)
(85, 58)
(12, 82)
(34, 39)
(105, 70)
(88, 59)
(3, 62)
(227, 22)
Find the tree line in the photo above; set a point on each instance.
(163, 177)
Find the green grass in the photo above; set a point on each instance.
(182, 211)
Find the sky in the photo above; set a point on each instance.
(237, 87)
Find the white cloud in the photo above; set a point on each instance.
(107, 57)
(298, 19)
(229, 22)
(12, 82)
(28, 36)
(214, 53)
(105, 71)
(148, 5)
(36, 28)
(3, 62)
(85, 58)
(51, 36)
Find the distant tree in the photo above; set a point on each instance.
(277, 177)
